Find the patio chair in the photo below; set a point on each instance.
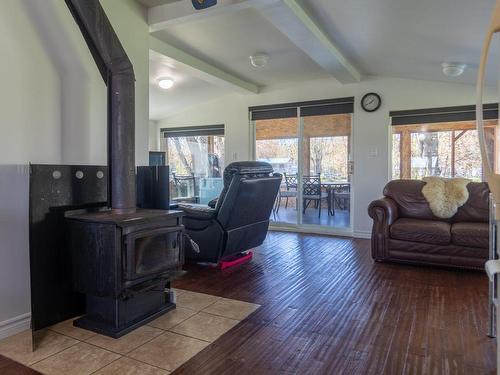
(312, 193)
(342, 198)
(290, 192)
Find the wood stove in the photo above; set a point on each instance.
(123, 263)
(123, 258)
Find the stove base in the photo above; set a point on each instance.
(117, 317)
(107, 330)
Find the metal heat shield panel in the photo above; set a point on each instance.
(54, 190)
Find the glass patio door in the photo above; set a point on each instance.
(277, 143)
(325, 165)
(310, 145)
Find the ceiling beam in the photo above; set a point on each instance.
(292, 20)
(288, 16)
(163, 16)
(201, 69)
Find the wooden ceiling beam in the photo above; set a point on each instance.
(288, 16)
(163, 16)
(201, 69)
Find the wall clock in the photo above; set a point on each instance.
(371, 102)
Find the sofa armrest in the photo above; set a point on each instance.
(385, 210)
(198, 211)
(384, 213)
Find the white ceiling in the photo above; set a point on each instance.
(187, 89)
(154, 3)
(393, 38)
(407, 38)
(227, 41)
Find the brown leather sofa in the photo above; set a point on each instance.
(405, 229)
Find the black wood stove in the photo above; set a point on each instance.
(123, 263)
(122, 258)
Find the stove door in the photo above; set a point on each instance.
(152, 252)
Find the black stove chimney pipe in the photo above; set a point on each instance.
(118, 74)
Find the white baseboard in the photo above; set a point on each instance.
(15, 325)
(326, 231)
(362, 234)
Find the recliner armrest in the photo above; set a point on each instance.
(198, 211)
(213, 202)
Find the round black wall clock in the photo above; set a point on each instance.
(371, 102)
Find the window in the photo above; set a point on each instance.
(427, 144)
(326, 145)
(195, 156)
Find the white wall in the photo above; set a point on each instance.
(370, 130)
(129, 21)
(52, 110)
(154, 141)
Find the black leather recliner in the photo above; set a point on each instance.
(238, 220)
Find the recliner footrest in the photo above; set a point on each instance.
(235, 260)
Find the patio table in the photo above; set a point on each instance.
(330, 187)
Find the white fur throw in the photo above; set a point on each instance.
(445, 195)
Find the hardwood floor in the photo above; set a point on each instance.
(9, 367)
(328, 309)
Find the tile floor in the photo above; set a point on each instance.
(154, 349)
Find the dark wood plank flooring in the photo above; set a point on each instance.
(9, 367)
(328, 309)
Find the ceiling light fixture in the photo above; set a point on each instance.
(166, 83)
(259, 60)
(453, 69)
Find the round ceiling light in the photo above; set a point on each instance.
(166, 83)
(453, 69)
(259, 60)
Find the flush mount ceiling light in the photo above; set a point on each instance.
(166, 83)
(259, 60)
(453, 69)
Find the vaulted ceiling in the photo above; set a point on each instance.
(317, 39)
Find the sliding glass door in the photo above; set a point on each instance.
(277, 143)
(326, 182)
(310, 145)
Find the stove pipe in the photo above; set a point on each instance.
(118, 74)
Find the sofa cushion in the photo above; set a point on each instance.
(409, 198)
(416, 230)
(470, 234)
(477, 206)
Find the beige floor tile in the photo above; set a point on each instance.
(168, 351)
(128, 366)
(195, 301)
(178, 292)
(231, 308)
(81, 359)
(126, 343)
(205, 326)
(67, 328)
(19, 347)
(172, 318)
